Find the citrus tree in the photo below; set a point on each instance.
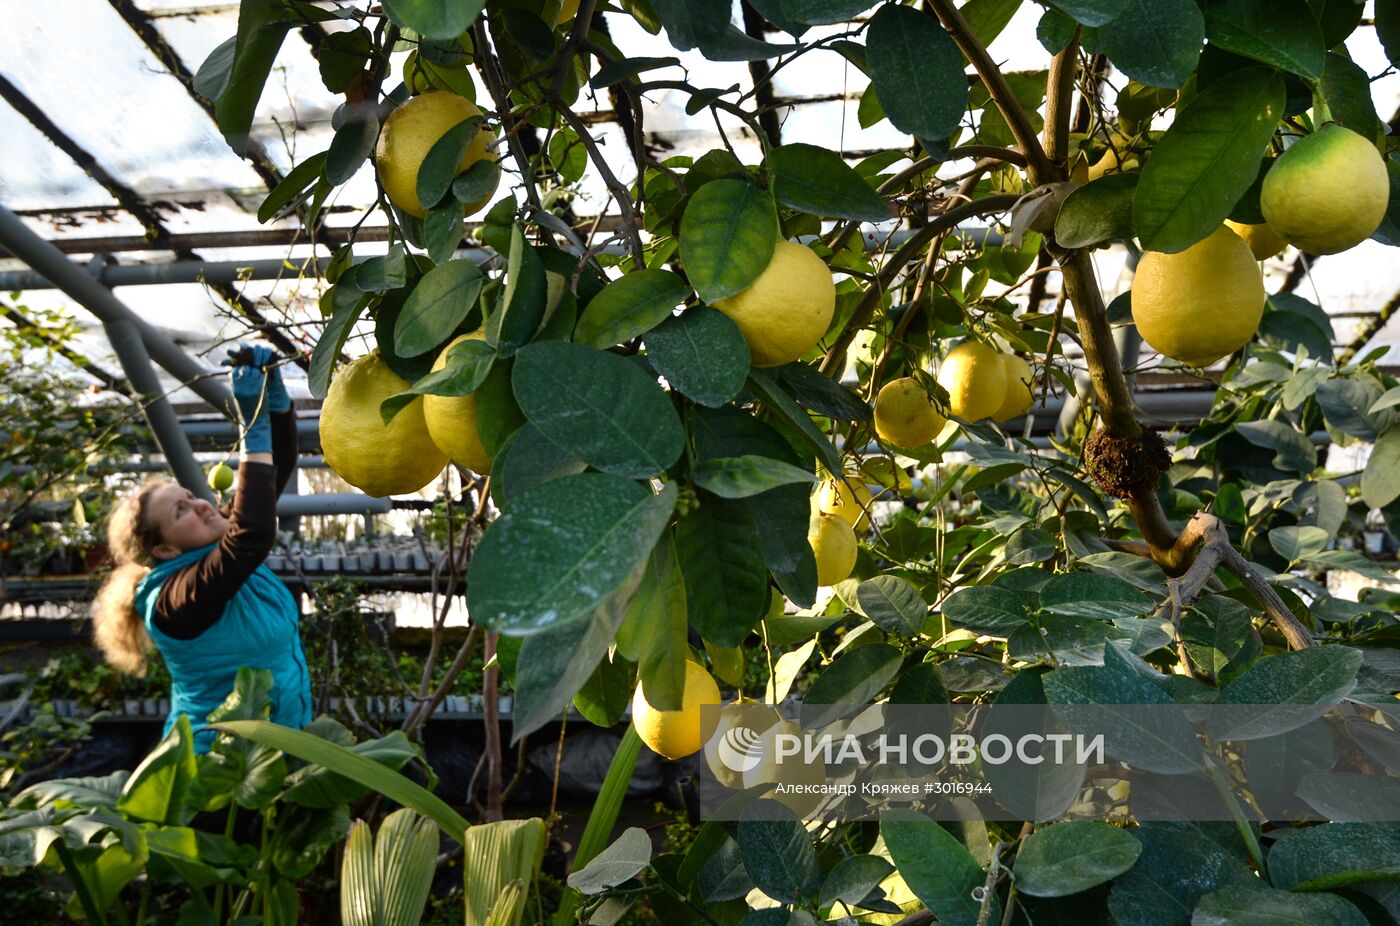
(717, 415)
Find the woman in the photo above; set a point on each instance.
(191, 579)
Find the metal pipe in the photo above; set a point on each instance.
(297, 506)
(165, 427)
(97, 299)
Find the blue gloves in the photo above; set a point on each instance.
(258, 390)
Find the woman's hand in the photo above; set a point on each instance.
(250, 390)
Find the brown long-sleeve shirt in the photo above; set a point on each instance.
(193, 599)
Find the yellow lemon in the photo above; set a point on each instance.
(975, 379)
(1263, 242)
(777, 762)
(733, 747)
(833, 542)
(1111, 163)
(676, 734)
(905, 414)
(1328, 192)
(377, 458)
(1019, 389)
(451, 419)
(1201, 304)
(410, 133)
(568, 9)
(785, 312)
(220, 477)
(848, 498)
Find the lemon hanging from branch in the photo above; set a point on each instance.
(410, 133)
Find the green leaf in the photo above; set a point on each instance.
(986, 609)
(764, 385)
(600, 407)
(1388, 28)
(497, 414)
(466, 369)
(1155, 42)
(340, 760)
(728, 235)
(1088, 700)
(1292, 450)
(437, 306)
(343, 56)
(320, 786)
(442, 230)
(476, 183)
(433, 19)
(351, 145)
(262, 25)
(561, 548)
(812, 179)
(619, 862)
(1335, 855)
(1283, 33)
(1250, 903)
(1071, 857)
(1092, 12)
(1098, 212)
(853, 878)
(1294, 543)
(740, 477)
(557, 662)
(630, 306)
(1354, 561)
(893, 604)
(522, 305)
(654, 628)
(987, 18)
(1207, 159)
(937, 867)
(381, 274)
(702, 353)
(625, 68)
(1063, 640)
(157, 789)
(1380, 482)
(1175, 869)
(293, 187)
(720, 553)
(779, 856)
(822, 394)
(854, 677)
(528, 458)
(1285, 691)
(438, 171)
(1347, 89)
(603, 699)
(1345, 404)
(1086, 594)
(917, 71)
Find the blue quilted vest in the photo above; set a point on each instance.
(259, 629)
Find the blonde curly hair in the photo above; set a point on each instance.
(118, 630)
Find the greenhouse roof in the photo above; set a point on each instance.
(115, 158)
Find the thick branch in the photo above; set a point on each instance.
(1215, 551)
(1059, 94)
(1000, 91)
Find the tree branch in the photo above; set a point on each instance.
(1038, 166)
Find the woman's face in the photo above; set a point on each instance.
(185, 520)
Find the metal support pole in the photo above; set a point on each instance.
(136, 364)
(97, 299)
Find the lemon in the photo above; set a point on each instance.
(905, 415)
(676, 734)
(785, 312)
(1111, 163)
(451, 419)
(220, 477)
(777, 763)
(377, 458)
(732, 748)
(1019, 389)
(410, 133)
(975, 379)
(848, 498)
(1263, 242)
(1326, 193)
(1201, 304)
(567, 11)
(833, 542)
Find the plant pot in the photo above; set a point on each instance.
(504, 703)
(131, 707)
